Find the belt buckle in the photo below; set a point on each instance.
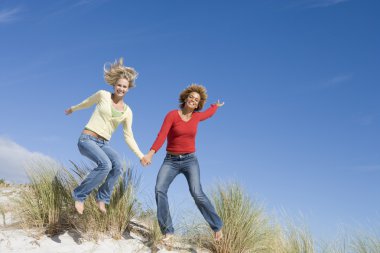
(184, 155)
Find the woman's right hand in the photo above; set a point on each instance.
(147, 159)
(68, 111)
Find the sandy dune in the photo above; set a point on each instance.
(15, 239)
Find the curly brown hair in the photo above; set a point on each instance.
(117, 71)
(200, 89)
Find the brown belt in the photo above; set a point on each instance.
(176, 154)
(89, 132)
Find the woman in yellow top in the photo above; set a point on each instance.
(93, 143)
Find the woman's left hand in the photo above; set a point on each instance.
(145, 162)
(219, 104)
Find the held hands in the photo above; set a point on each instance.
(219, 104)
(144, 161)
(147, 159)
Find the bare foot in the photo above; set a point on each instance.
(218, 235)
(167, 237)
(79, 206)
(102, 206)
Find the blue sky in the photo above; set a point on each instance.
(299, 78)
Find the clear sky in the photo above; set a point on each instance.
(299, 78)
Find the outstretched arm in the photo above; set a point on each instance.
(95, 98)
(210, 111)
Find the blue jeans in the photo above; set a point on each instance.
(188, 165)
(109, 167)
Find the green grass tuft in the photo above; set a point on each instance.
(47, 203)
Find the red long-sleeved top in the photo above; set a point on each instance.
(181, 134)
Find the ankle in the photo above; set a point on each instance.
(102, 206)
(218, 235)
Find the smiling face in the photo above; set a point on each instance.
(121, 87)
(192, 100)
(193, 93)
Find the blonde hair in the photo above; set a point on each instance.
(201, 90)
(117, 71)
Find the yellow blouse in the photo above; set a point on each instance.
(104, 124)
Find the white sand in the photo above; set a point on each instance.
(17, 240)
(14, 239)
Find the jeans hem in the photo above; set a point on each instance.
(78, 199)
(217, 230)
(102, 200)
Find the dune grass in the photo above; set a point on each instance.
(44, 202)
(246, 227)
(2, 212)
(151, 230)
(354, 242)
(47, 203)
(296, 239)
(120, 211)
(365, 243)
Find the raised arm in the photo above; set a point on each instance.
(210, 111)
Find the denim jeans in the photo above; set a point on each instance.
(188, 165)
(109, 167)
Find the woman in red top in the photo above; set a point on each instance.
(180, 129)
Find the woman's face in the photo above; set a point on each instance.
(192, 100)
(121, 87)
